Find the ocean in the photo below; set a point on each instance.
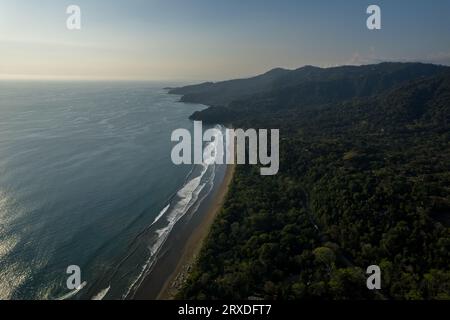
(86, 179)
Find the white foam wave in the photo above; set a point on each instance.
(161, 214)
(73, 292)
(211, 151)
(101, 294)
(188, 196)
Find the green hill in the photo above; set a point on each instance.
(364, 179)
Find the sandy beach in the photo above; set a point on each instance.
(184, 243)
(195, 242)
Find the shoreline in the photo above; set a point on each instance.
(195, 241)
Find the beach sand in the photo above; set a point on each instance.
(184, 243)
(196, 240)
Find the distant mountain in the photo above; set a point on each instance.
(222, 93)
(383, 74)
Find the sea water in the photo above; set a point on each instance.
(86, 179)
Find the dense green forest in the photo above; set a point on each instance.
(364, 179)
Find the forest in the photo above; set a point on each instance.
(364, 180)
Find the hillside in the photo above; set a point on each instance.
(309, 86)
(222, 93)
(364, 179)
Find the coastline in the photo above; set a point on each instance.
(184, 243)
(195, 241)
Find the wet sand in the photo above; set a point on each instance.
(184, 244)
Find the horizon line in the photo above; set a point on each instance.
(34, 77)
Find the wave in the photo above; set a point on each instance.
(161, 214)
(73, 293)
(185, 198)
(101, 294)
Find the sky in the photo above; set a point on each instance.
(193, 40)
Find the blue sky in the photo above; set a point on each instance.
(211, 39)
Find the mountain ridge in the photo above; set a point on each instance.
(385, 75)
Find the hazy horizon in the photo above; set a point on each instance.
(169, 82)
(202, 40)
